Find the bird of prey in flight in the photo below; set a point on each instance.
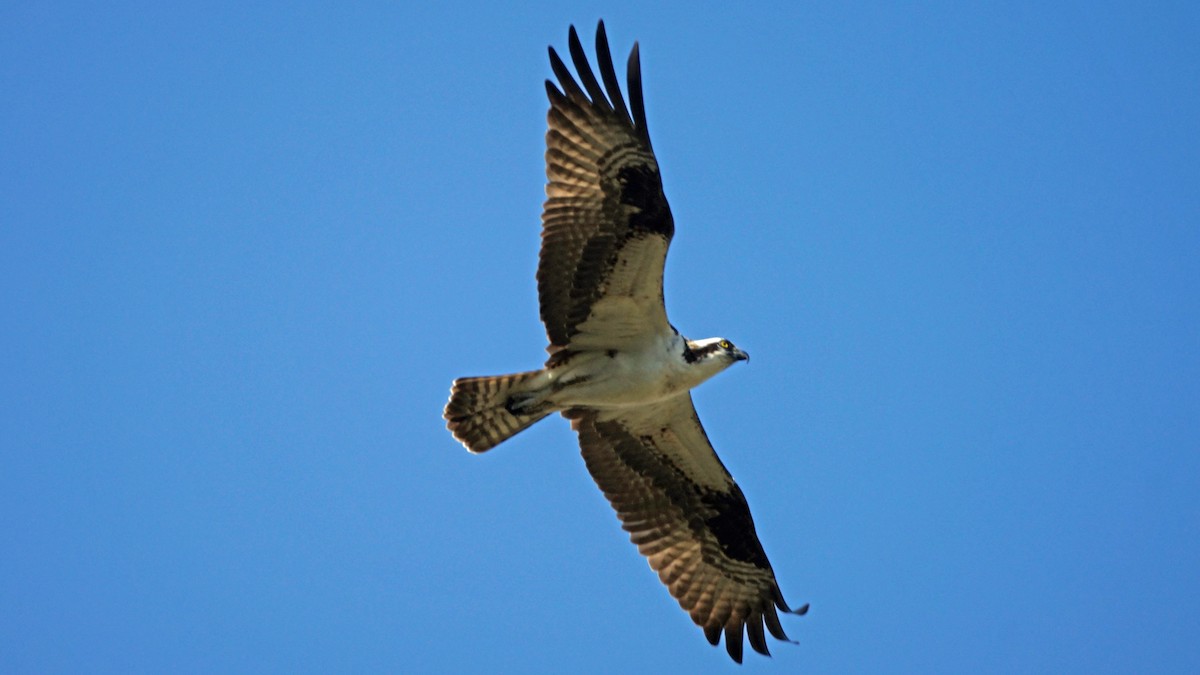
(617, 367)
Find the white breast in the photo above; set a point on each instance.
(652, 371)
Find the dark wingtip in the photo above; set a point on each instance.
(637, 102)
(800, 611)
(735, 653)
(573, 43)
(608, 74)
(756, 634)
(733, 640)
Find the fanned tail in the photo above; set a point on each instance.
(485, 411)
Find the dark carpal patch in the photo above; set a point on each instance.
(641, 187)
(733, 527)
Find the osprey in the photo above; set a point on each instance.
(619, 370)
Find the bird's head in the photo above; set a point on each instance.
(715, 351)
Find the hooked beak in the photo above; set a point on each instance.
(739, 355)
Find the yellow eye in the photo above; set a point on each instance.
(725, 344)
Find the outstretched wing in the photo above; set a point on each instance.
(606, 224)
(688, 517)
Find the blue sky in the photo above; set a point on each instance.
(244, 251)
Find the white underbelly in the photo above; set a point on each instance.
(596, 379)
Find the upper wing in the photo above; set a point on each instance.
(686, 515)
(606, 224)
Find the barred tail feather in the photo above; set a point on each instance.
(480, 412)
